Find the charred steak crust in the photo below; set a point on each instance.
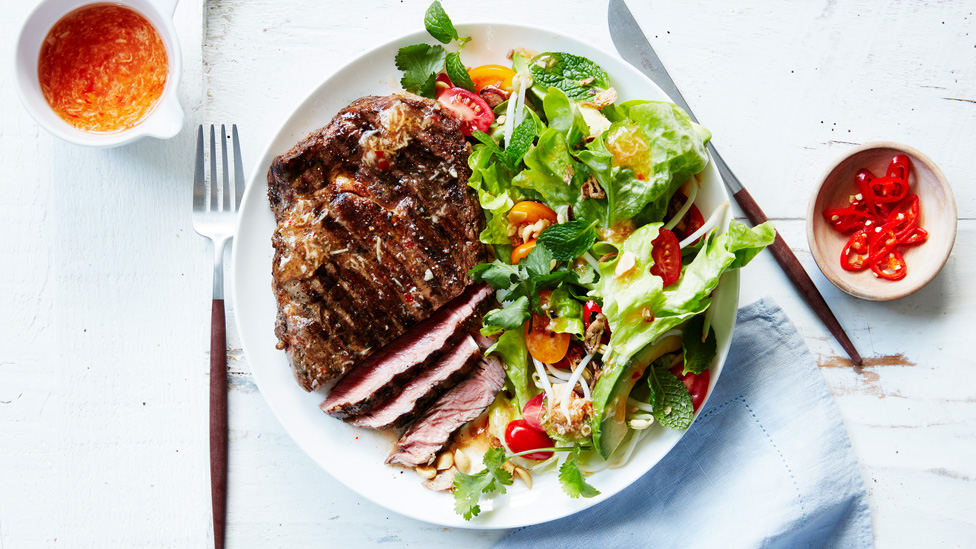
(376, 229)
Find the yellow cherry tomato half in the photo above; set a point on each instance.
(492, 75)
(521, 252)
(530, 212)
(544, 344)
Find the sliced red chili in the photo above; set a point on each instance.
(891, 267)
(899, 167)
(855, 252)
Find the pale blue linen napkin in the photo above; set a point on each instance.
(766, 464)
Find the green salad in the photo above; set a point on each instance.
(604, 268)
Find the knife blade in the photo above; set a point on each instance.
(633, 47)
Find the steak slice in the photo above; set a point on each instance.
(462, 403)
(382, 375)
(376, 229)
(428, 385)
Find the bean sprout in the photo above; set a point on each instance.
(572, 383)
(692, 193)
(712, 222)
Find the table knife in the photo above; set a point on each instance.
(633, 47)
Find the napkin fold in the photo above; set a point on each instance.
(767, 463)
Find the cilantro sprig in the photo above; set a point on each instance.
(421, 63)
(521, 284)
(470, 488)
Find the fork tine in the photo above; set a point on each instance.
(225, 193)
(238, 170)
(213, 171)
(199, 179)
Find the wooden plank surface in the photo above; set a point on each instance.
(105, 286)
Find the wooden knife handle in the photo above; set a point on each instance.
(218, 420)
(797, 275)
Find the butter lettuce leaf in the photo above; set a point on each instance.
(514, 354)
(627, 297)
(656, 148)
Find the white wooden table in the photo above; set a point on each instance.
(105, 287)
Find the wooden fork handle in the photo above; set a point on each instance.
(798, 276)
(218, 420)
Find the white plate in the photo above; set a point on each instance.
(355, 456)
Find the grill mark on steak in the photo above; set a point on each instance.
(464, 402)
(383, 375)
(419, 392)
(344, 291)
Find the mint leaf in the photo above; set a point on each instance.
(670, 398)
(492, 145)
(469, 488)
(698, 354)
(457, 73)
(420, 64)
(572, 479)
(521, 141)
(509, 318)
(438, 23)
(568, 240)
(567, 72)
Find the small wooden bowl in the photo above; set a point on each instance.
(937, 215)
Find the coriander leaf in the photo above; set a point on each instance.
(497, 274)
(538, 261)
(572, 480)
(509, 318)
(698, 354)
(438, 23)
(568, 240)
(420, 64)
(568, 73)
(500, 478)
(467, 493)
(672, 402)
(522, 138)
(469, 488)
(457, 73)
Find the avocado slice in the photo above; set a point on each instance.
(610, 394)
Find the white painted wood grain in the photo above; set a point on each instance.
(104, 286)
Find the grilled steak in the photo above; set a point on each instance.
(382, 375)
(462, 403)
(418, 393)
(376, 230)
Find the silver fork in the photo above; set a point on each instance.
(214, 219)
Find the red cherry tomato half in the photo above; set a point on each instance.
(520, 437)
(474, 113)
(532, 412)
(697, 384)
(666, 253)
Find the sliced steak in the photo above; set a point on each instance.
(376, 229)
(423, 389)
(462, 403)
(384, 374)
